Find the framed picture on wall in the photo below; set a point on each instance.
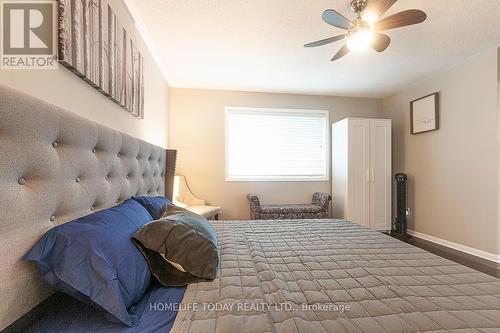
(424, 114)
(97, 48)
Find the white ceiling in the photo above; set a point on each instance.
(257, 45)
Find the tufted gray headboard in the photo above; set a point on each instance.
(54, 167)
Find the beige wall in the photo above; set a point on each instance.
(498, 151)
(452, 171)
(197, 131)
(65, 89)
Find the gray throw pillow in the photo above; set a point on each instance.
(181, 247)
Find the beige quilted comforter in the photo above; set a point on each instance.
(334, 276)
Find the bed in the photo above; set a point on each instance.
(335, 276)
(275, 276)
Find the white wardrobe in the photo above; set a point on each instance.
(361, 172)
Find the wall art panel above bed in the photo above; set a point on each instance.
(95, 46)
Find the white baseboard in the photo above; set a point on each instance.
(459, 247)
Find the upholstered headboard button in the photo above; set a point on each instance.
(52, 218)
(21, 181)
(77, 179)
(94, 150)
(55, 144)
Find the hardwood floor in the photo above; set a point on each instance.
(477, 263)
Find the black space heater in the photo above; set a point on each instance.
(399, 226)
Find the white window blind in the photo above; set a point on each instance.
(276, 144)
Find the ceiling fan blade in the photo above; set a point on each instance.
(402, 19)
(325, 41)
(377, 8)
(381, 42)
(332, 17)
(342, 52)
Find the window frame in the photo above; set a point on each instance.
(229, 109)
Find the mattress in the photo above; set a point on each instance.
(334, 276)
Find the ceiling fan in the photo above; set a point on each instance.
(366, 30)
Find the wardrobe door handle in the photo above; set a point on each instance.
(372, 175)
(368, 175)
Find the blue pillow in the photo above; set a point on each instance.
(154, 205)
(94, 260)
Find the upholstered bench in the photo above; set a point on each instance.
(318, 209)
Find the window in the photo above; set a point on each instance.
(276, 144)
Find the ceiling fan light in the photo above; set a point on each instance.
(370, 18)
(360, 40)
